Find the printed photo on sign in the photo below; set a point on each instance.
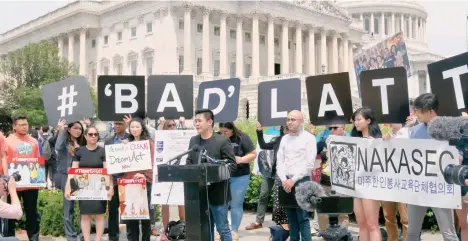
(398, 170)
(129, 157)
(387, 54)
(343, 158)
(119, 96)
(133, 199)
(449, 82)
(264, 161)
(171, 96)
(68, 99)
(276, 99)
(169, 143)
(385, 91)
(221, 97)
(329, 99)
(31, 171)
(89, 183)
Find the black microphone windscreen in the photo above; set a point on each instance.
(445, 128)
(195, 148)
(308, 195)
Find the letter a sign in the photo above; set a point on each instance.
(119, 96)
(449, 82)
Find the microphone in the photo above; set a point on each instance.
(308, 195)
(194, 148)
(445, 128)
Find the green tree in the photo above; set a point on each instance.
(24, 71)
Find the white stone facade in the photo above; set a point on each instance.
(254, 41)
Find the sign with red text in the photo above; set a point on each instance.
(398, 170)
(128, 157)
(31, 169)
(133, 199)
(89, 183)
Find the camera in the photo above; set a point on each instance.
(16, 176)
(456, 174)
(333, 206)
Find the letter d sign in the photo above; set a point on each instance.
(221, 97)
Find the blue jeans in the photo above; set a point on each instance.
(218, 217)
(238, 186)
(299, 225)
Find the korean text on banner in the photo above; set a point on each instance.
(398, 170)
(129, 157)
(169, 144)
(133, 199)
(89, 184)
(264, 161)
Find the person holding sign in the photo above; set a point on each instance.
(245, 152)
(139, 132)
(3, 156)
(91, 156)
(425, 107)
(366, 210)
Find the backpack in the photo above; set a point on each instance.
(46, 150)
(176, 230)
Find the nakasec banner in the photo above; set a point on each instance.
(398, 170)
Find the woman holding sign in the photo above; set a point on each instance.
(139, 132)
(91, 156)
(366, 210)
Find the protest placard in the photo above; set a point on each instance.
(89, 183)
(32, 171)
(398, 170)
(264, 161)
(133, 199)
(128, 157)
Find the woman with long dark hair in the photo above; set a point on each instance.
(139, 132)
(366, 210)
(69, 139)
(245, 153)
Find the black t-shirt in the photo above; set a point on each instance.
(90, 158)
(242, 145)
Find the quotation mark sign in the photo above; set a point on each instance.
(68, 101)
(107, 90)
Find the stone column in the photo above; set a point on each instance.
(71, 48)
(334, 67)
(187, 40)
(239, 51)
(271, 47)
(83, 52)
(382, 24)
(410, 25)
(402, 24)
(255, 48)
(223, 48)
(323, 50)
(298, 48)
(372, 29)
(311, 54)
(206, 43)
(393, 24)
(284, 48)
(60, 46)
(424, 31)
(345, 52)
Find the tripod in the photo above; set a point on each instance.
(335, 231)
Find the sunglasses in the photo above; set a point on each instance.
(93, 134)
(333, 128)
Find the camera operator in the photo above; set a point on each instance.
(13, 210)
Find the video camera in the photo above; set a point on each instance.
(334, 206)
(457, 174)
(16, 176)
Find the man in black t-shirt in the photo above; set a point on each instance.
(219, 148)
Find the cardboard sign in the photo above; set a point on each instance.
(89, 184)
(119, 96)
(221, 97)
(133, 199)
(129, 157)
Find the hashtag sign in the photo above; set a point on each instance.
(67, 99)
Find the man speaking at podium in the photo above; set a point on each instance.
(219, 148)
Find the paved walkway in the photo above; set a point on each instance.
(255, 235)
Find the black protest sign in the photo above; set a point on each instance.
(68, 99)
(385, 91)
(449, 82)
(221, 97)
(119, 96)
(329, 99)
(170, 96)
(276, 99)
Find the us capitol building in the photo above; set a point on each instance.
(252, 40)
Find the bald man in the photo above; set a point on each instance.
(295, 160)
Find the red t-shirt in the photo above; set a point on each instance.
(3, 150)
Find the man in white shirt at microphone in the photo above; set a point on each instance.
(425, 107)
(295, 160)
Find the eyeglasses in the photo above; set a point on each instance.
(332, 128)
(171, 125)
(291, 120)
(93, 134)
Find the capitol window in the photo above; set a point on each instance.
(232, 69)
(134, 67)
(247, 37)
(262, 39)
(200, 27)
(181, 63)
(276, 42)
(106, 40)
(106, 70)
(247, 70)
(199, 66)
(367, 25)
(149, 66)
(149, 27)
(119, 36)
(93, 43)
(217, 31)
(181, 24)
(216, 68)
(232, 34)
(133, 32)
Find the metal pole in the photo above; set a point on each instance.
(466, 31)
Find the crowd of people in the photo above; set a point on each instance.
(296, 150)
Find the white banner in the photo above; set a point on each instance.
(129, 157)
(398, 170)
(168, 145)
(264, 161)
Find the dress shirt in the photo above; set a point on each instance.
(296, 156)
